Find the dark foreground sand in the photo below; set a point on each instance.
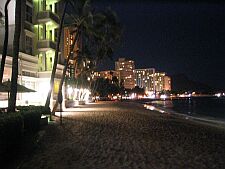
(115, 135)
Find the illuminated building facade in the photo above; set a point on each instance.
(68, 38)
(126, 72)
(45, 28)
(46, 23)
(162, 82)
(144, 78)
(159, 81)
(152, 81)
(39, 23)
(167, 83)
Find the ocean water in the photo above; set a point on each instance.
(201, 107)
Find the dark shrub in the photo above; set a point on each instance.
(40, 109)
(31, 120)
(11, 126)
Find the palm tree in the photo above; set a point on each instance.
(77, 33)
(5, 46)
(56, 54)
(105, 40)
(100, 38)
(93, 30)
(80, 22)
(13, 92)
(111, 31)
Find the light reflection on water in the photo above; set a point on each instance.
(211, 107)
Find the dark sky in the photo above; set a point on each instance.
(174, 37)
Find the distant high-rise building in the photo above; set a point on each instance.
(126, 72)
(159, 81)
(167, 83)
(144, 78)
(162, 82)
(152, 81)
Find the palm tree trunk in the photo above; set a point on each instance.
(5, 47)
(16, 42)
(56, 56)
(65, 68)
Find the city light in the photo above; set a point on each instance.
(150, 107)
(70, 90)
(163, 96)
(78, 94)
(218, 94)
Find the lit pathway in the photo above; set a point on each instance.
(114, 135)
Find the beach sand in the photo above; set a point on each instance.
(121, 135)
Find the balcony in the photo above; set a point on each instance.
(45, 45)
(28, 26)
(47, 16)
(30, 1)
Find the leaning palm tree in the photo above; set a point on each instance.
(5, 45)
(77, 33)
(111, 33)
(56, 54)
(13, 92)
(81, 19)
(101, 47)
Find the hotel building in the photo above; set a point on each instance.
(162, 82)
(152, 81)
(68, 38)
(126, 72)
(144, 78)
(39, 23)
(167, 83)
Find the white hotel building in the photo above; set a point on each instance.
(39, 25)
(152, 81)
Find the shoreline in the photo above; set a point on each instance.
(203, 119)
(207, 120)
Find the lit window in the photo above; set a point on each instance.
(29, 12)
(29, 45)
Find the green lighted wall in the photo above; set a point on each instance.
(49, 59)
(41, 64)
(43, 5)
(45, 31)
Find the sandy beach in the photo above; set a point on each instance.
(121, 135)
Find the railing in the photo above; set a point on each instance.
(29, 26)
(30, 1)
(43, 45)
(44, 15)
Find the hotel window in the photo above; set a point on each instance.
(29, 45)
(29, 14)
(50, 35)
(50, 7)
(41, 32)
(56, 8)
(56, 35)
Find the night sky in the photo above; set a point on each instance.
(174, 37)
